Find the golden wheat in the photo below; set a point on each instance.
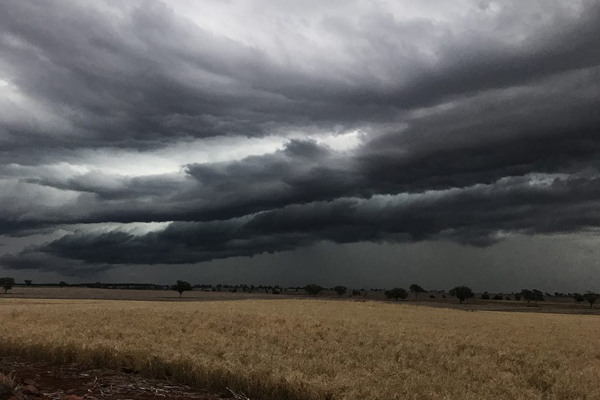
(310, 349)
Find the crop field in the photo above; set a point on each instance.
(550, 305)
(318, 349)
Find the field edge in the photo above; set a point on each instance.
(182, 371)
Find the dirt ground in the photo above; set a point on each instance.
(84, 293)
(551, 305)
(39, 380)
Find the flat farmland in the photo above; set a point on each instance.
(85, 293)
(551, 305)
(317, 349)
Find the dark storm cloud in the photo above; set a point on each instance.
(475, 216)
(140, 75)
(109, 187)
(48, 263)
(472, 62)
(458, 125)
(302, 172)
(478, 140)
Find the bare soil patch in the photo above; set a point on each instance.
(40, 380)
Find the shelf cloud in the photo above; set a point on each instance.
(369, 122)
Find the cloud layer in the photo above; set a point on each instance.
(466, 123)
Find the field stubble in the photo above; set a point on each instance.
(311, 349)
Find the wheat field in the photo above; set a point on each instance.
(314, 349)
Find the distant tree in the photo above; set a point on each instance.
(462, 293)
(313, 289)
(28, 282)
(518, 296)
(527, 295)
(275, 291)
(181, 286)
(355, 292)
(416, 289)
(7, 283)
(578, 297)
(538, 295)
(396, 293)
(63, 284)
(340, 290)
(532, 295)
(507, 298)
(497, 297)
(431, 296)
(485, 296)
(591, 298)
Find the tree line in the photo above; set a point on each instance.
(462, 293)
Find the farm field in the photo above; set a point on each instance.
(317, 349)
(551, 305)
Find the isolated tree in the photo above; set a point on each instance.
(591, 298)
(7, 283)
(63, 284)
(416, 289)
(181, 286)
(532, 295)
(396, 293)
(340, 290)
(518, 296)
(462, 293)
(28, 282)
(578, 297)
(537, 295)
(485, 296)
(313, 289)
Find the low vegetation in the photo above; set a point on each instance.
(340, 290)
(396, 293)
(591, 298)
(313, 289)
(7, 283)
(462, 293)
(181, 287)
(313, 350)
(416, 289)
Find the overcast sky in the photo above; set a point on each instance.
(366, 143)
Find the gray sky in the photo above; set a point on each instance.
(370, 143)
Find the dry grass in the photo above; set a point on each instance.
(307, 349)
(7, 381)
